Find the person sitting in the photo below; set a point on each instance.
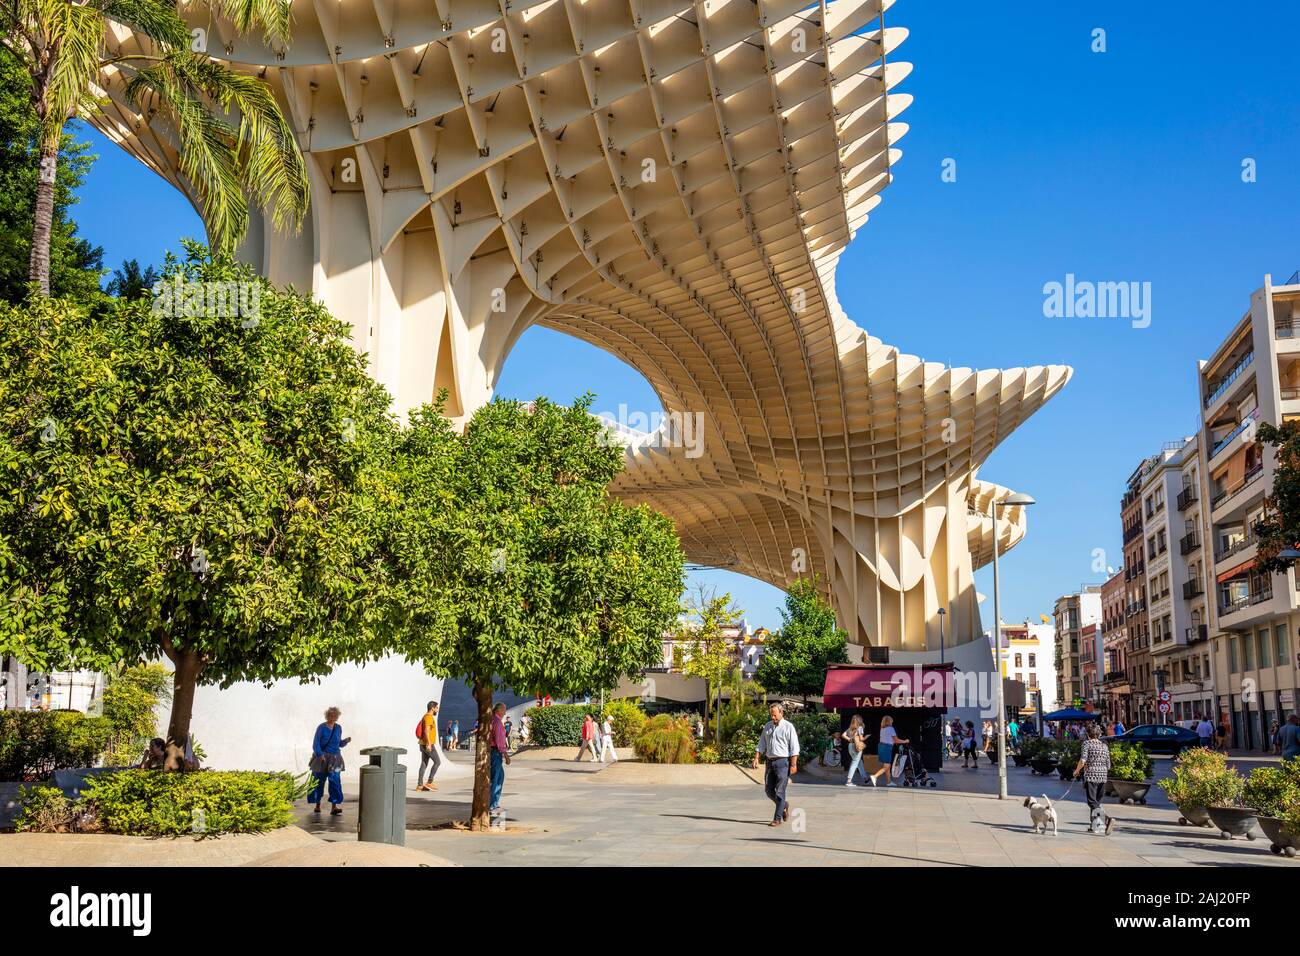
(155, 758)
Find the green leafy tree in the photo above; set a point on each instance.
(232, 140)
(703, 648)
(1279, 528)
(189, 483)
(75, 264)
(795, 659)
(513, 563)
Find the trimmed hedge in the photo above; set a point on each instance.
(35, 743)
(154, 803)
(559, 725)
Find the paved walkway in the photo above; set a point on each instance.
(565, 813)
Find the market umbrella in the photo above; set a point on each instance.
(1071, 713)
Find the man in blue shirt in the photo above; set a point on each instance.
(1291, 738)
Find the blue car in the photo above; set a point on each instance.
(1159, 738)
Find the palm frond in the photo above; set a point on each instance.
(77, 32)
(154, 19)
(271, 17)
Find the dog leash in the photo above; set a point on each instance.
(1067, 791)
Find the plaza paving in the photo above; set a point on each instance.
(564, 813)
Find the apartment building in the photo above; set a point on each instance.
(1137, 650)
(1253, 376)
(1116, 692)
(1027, 656)
(1175, 583)
(1072, 613)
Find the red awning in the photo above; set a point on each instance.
(1239, 569)
(887, 685)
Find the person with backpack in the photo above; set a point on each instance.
(426, 732)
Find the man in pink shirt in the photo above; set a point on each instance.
(500, 757)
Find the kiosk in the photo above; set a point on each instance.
(915, 695)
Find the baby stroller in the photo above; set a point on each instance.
(909, 770)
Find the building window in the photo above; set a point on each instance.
(1279, 633)
(1018, 662)
(1033, 658)
(1264, 648)
(1247, 654)
(1232, 656)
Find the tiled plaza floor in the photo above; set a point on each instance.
(561, 813)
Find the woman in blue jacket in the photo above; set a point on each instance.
(327, 761)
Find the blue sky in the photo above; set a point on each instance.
(1124, 165)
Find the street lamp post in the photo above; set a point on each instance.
(1023, 501)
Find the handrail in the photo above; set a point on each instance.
(1226, 382)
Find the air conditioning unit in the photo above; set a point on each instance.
(878, 655)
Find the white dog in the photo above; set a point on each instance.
(1042, 813)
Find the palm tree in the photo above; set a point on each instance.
(231, 137)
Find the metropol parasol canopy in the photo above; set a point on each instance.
(674, 182)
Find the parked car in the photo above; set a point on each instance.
(1159, 738)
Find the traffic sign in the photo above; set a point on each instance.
(1165, 697)
(1165, 707)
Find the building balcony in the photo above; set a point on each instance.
(1137, 607)
(1196, 634)
(1286, 329)
(1219, 388)
(1187, 497)
(1192, 589)
(1133, 532)
(1241, 544)
(1189, 543)
(1249, 478)
(1247, 600)
(1227, 439)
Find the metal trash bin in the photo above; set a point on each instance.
(382, 811)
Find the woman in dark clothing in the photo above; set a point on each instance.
(327, 762)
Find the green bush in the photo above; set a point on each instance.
(1130, 762)
(666, 739)
(1067, 751)
(744, 723)
(559, 725)
(628, 719)
(816, 733)
(1037, 748)
(740, 749)
(47, 810)
(708, 754)
(1274, 791)
(35, 743)
(152, 803)
(1202, 778)
(130, 702)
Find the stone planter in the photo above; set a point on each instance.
(1279, 841)
(1020, 760)
(1234, 821)
(1043, 765)
(1126, 790)
(1065, 771)
(9, 793)
(1194, 816)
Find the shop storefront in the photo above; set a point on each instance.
(916, 697)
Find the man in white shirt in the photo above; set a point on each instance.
(780, 745)
(1205, 731)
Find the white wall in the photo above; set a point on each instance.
(251, 727)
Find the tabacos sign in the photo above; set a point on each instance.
(911, 687)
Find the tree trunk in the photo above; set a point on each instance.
(184, 682)
(480, 818)
(16, 693)
(43, 221)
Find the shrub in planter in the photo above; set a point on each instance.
(628, 719)
(1273, 791)
(1067, 751)
(708, 754)
(34, 743)
(1130, 762)
(666, 739)
(559, 725)
(1035, 748)
(1201, 779)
